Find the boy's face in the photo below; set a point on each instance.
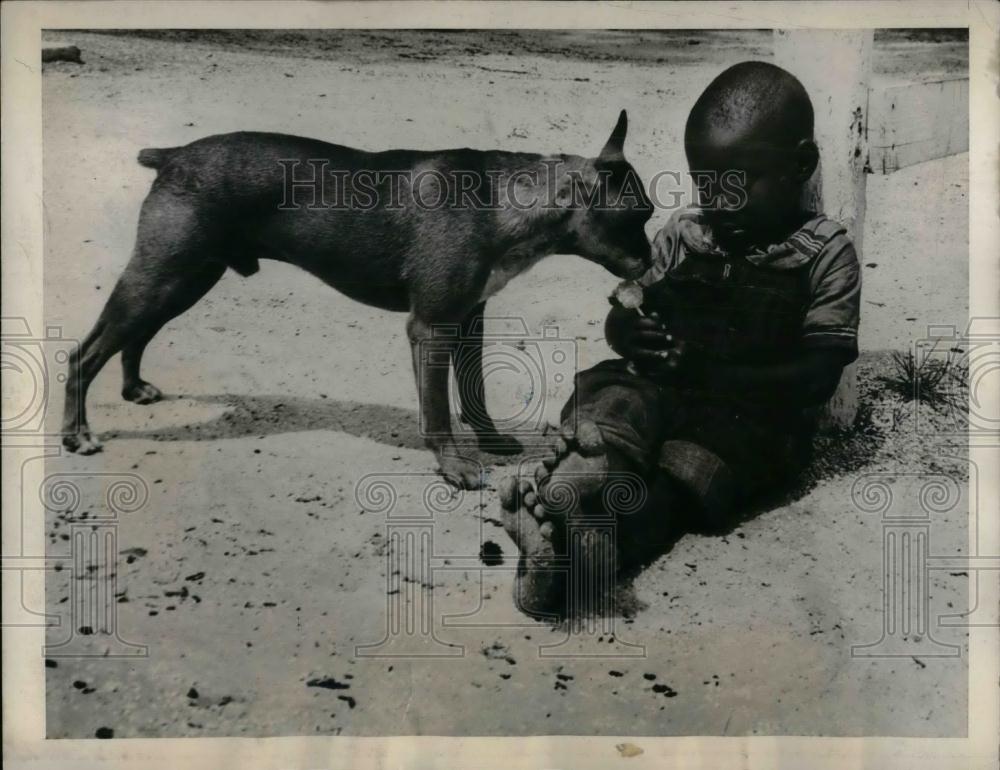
(747, 188)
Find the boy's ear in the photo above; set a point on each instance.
(806, 160)
(615, 147)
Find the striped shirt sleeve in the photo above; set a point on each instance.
(831, 320)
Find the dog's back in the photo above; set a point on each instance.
(368, 223)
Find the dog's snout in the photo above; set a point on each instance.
(636, 269)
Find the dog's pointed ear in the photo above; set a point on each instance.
(615, 147)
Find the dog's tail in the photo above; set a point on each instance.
(155, 157)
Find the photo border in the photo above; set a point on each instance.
(25, 745)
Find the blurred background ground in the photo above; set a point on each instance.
(285, 394)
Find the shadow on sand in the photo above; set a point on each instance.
(270, 415)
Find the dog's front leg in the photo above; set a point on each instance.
(467, 358)
(431, 366)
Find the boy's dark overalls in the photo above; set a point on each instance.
(756, 308)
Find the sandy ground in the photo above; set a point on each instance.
(253, 571)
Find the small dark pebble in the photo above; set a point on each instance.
(79, 684)
(328, 682)
(195, 576)
(649, 677)
(348, 700)
(49, 663)
(491, 554)
(104, 732)
(192, 693)
(612, 672)
(665, 690)
(86, 630)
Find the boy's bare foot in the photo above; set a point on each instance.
(539, 586)
(575, 473)
(535, 517)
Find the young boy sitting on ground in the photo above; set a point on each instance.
(749, 314)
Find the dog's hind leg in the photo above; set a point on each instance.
(467, 360)
(174, 298)
(154, 288)
(134, 388)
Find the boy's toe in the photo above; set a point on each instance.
(527, 535)
(589, 440)
(512, 490)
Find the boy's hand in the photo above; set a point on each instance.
(680, 363)
(637, 338)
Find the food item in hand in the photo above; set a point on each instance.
(629, 296)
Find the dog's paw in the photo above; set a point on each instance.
(461, 472)
(142, 393)
(82, 443)
(499, 443)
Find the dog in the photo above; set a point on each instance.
(430, 233)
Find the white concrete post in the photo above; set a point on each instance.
(835, 66)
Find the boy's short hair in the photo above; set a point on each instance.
(755, 97)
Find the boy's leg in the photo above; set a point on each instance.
(609, 432)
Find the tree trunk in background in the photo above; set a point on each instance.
(835, 66)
